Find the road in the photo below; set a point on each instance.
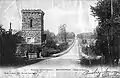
(59, 67)
(70, 59)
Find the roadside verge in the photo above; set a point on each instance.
(64, 52)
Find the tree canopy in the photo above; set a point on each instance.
(102, 12)
(106, 20)
(8, 44)
(107, 13)
(50, 39)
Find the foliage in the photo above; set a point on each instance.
(51, 44)
(84, 41)
(53, 49)
(8, 44)
(108, 24)
(62, 35)
(49, 35)
(49, 51)
(20, 39)
(63, 46)
(30, 48)
(70, 35)
(102, 12)
(89, 35)
(50, 39)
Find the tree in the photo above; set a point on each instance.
(19, 37)
(107, 27)
(49, 35)
(50, 39)
(8, 44)
(70, 35)
(62, 33)
(1, 41)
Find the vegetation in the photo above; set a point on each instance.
(12, 46)
(63, 46)
(108, 40)
(70, 35)
(51, 46)
(62, 35)
(8, 44)
(24, 49)
(50, 36)
(49, 51)
(89, 35)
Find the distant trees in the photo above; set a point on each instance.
(50, 44)
(50, 39)
(89, 35)
(70, 35)
(62, 34)
(49, 35)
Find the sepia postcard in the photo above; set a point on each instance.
(59, 39)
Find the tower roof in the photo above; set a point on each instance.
(32, 10)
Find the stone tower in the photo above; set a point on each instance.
(32, 25)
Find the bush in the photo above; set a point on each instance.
(51, 44)
(63, 46)
(8, 49)
(49, 51)
(84, 41)
(89, 50)
(29, 48)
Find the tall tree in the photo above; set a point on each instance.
(62, 32)
(50, 39)
(70, 35)
(8, 44)
(107, 13)
(1, 41)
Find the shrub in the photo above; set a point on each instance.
(29, 48)
(51, 44)
(63, 46)
(8, 49)
(84, 41)
(49, 51)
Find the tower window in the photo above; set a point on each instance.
(31, 23)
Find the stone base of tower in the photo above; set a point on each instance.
(32, 36)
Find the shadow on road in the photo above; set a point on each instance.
(87, 62)
(21, 63)
(95, 62)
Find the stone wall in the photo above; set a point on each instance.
(32, 24)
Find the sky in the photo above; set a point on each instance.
(74, 13)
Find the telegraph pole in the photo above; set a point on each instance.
(111, 32)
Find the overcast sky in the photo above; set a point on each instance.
(74, 13)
